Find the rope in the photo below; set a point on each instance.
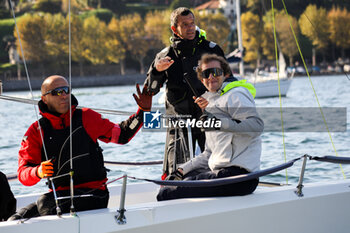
(156, 162)
(279, 86)
(331, 159)
(308, 75)
(31, 93)
(35, 102)
(221, 181)
(12, 177)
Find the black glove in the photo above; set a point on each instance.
(176, 175)
(143, 99)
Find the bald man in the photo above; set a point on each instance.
(49, 155)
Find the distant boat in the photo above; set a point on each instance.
(266, 83)
(269, 88)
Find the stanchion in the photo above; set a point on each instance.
(120, 217)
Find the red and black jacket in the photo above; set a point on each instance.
(87, 127)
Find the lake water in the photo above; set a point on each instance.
(332, 91)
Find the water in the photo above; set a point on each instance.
(332, 91)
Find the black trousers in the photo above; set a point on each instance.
(46, 205)
(236, 189)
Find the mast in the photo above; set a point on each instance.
(239, 35)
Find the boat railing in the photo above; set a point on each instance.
(121, 219)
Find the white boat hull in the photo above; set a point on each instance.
(323, 208)
(270, 88)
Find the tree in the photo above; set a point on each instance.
(285, 37)
(217, 28)
(158, 30)
(78, 40)
(252, 37)
(56, 37)
(76, 6)
(268, 45)
(32, 34)
(115, 49)
(133, 37)
(313, 24)
(339, 22)
(94, 40)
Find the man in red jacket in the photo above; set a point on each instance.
(46, 153)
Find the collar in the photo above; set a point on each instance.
(187, 46)
(229, 84)
(57, 120)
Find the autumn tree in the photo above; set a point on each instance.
(94, 40)
(115, 49)
(32, 34)
(76, 6)
(78, 41)
(285, 38)
(313, 24)
(339, 28)
(157, 26)
(56, 37)
(217, 28)
(133, 37)
(252, 37)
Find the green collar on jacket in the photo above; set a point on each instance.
(239, 83)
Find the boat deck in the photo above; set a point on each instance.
(323, 208)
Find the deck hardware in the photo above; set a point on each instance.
(120, 217)
(300, 186)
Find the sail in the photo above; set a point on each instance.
(282, 65)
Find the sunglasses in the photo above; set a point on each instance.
(58, 91)
(214, 71)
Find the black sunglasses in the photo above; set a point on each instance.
(58, 91)
(214, 71)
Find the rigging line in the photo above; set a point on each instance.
(99, 110)
(346, 75)
(76, 157)
(308, 75)
(72, 211)
(62, 147)
(27, 75)
(279, 86)
(12, 177)
(120, 163)
(35, 109)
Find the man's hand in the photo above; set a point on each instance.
(201, 102)
(143, 99)
(164, 63)
(45, 169)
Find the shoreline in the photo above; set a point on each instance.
(77, 82)
(13, 85)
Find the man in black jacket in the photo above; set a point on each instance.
(176, 66)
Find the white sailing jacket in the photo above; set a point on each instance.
(238, 141)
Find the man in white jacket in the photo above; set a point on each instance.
(235, 147)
